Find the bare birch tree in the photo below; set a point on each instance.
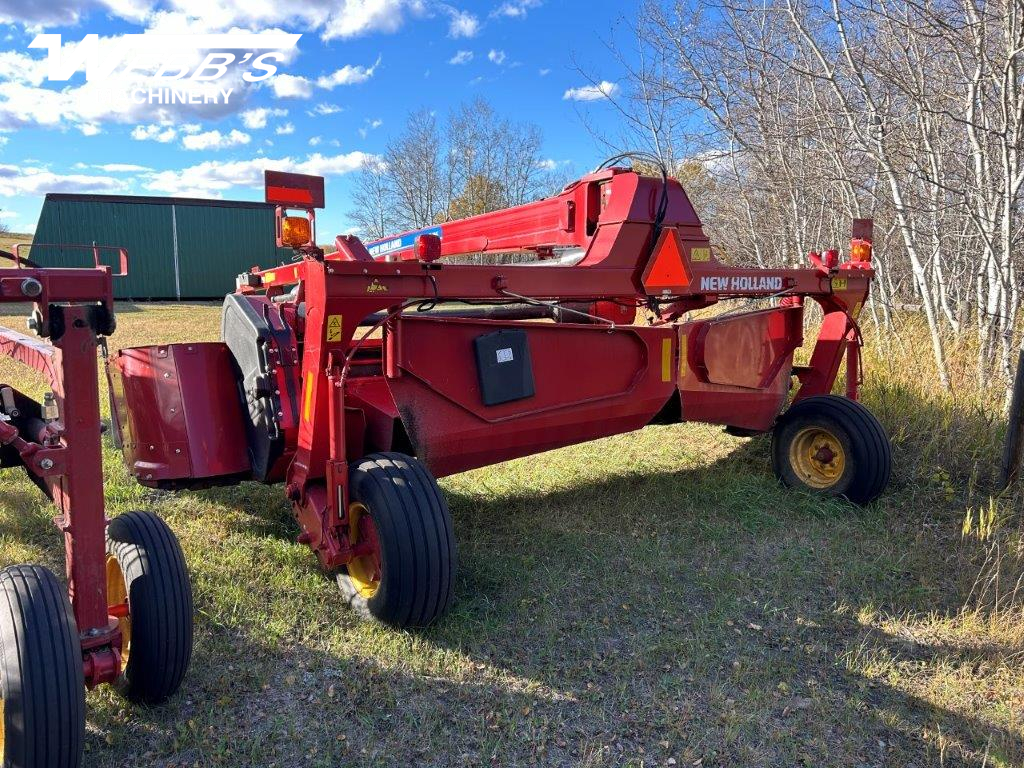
(478, 162)
(811, 114)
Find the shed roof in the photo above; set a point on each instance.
(143, 200)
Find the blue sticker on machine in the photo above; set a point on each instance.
(399, 243)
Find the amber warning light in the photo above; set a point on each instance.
(294, 191)
(860, 244)
(860, 251)
(295, 231)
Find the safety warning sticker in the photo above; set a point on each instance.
(334, 328)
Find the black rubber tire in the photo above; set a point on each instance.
(40, 671)
(417, 543)
(869, 455)
(160, 602)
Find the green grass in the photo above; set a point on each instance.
(9, 239)
(648, 599)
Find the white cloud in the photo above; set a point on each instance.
(284, 130)
(517, 8)
(113, 167)
(215, 140)
(462, 24)
(21, 68)
(348, 75)
(602, 90)
(291, 86)
(461, 57)
(88, 129)
(191, 128)
(213, 178)
(323, 110)
(160, 133)
(543, 72)
(498, 57)
(358, 17)
(120, 167)
(314, 141)
(22, 104)
(332, 165)
(370, 126)
(66, 12)
(16, 180)
(331, 18)
(254, 119)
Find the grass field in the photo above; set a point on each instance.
(9, 239)
(645, 600)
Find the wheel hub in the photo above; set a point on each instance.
(117, 606)
(365, 567)
(817, 457)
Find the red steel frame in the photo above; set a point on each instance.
(64, 457)
(612, 217)
(640, 244)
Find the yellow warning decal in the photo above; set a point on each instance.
(856, 309)
(666, 359)
(269, 277)
(308, 399)
(839, 283)
(334, 328)
(700, 254)
(683, 365)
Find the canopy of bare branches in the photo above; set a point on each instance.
(475, 162)
(789, 118)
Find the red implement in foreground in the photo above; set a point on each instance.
(357, 377)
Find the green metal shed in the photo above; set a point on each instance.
(178, 248)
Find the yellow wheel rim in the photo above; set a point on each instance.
(117, 605)
(364, 570)
(817, 457)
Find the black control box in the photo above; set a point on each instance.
(503, 364)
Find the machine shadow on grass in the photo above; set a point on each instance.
(302, 706)
(705, 608)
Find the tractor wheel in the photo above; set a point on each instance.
(149, 590)
(42, 712)
(834, 446)
(400, 527)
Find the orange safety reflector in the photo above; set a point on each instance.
(667, 271)
(284, 195)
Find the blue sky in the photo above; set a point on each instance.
(358, 69)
